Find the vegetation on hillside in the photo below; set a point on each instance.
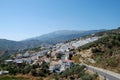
(34, 70)
(42, 72)
(106, 50)
(12, 78)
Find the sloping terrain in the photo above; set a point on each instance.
(51, 38)
(9, 47)
(63, 35)
(106, 50)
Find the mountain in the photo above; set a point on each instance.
(46, 39)
(8, 44)
(18, 45)
(63, 35)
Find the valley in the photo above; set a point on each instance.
(56, 60)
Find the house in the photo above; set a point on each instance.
(64, 57)
(66, 64)
(8, 61)
(35, 57)
(26, 54)
(18, 62)
(27, 60)
(4, 72)
(67, 56)
(54, 66)
(19, 56)
(60, 66)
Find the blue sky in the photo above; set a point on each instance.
(21, 19)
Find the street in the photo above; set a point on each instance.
(105, 73)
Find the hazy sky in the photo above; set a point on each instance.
(21, 19)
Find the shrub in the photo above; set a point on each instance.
(86, 77)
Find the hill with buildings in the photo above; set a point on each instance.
(105, 52)
(8, 47)
(63, 60)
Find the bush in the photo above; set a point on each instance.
(86, 77)
(98, 59)
(113, 62)
(33, 72)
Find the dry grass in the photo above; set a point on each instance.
(29, 77)
(76, 58)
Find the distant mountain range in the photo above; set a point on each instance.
(62, 35)
(51, 38)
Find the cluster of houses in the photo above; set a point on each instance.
(27, 57)
(67, 51)
(59, 56)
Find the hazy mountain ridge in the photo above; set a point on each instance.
(63, 35)
(51, 38)
(8, 44)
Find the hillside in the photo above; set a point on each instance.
(8, 47)
(106, 50)
(46, 62)
(51, 38)
(18, 45)
(8, 44)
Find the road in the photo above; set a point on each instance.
(107, 74)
